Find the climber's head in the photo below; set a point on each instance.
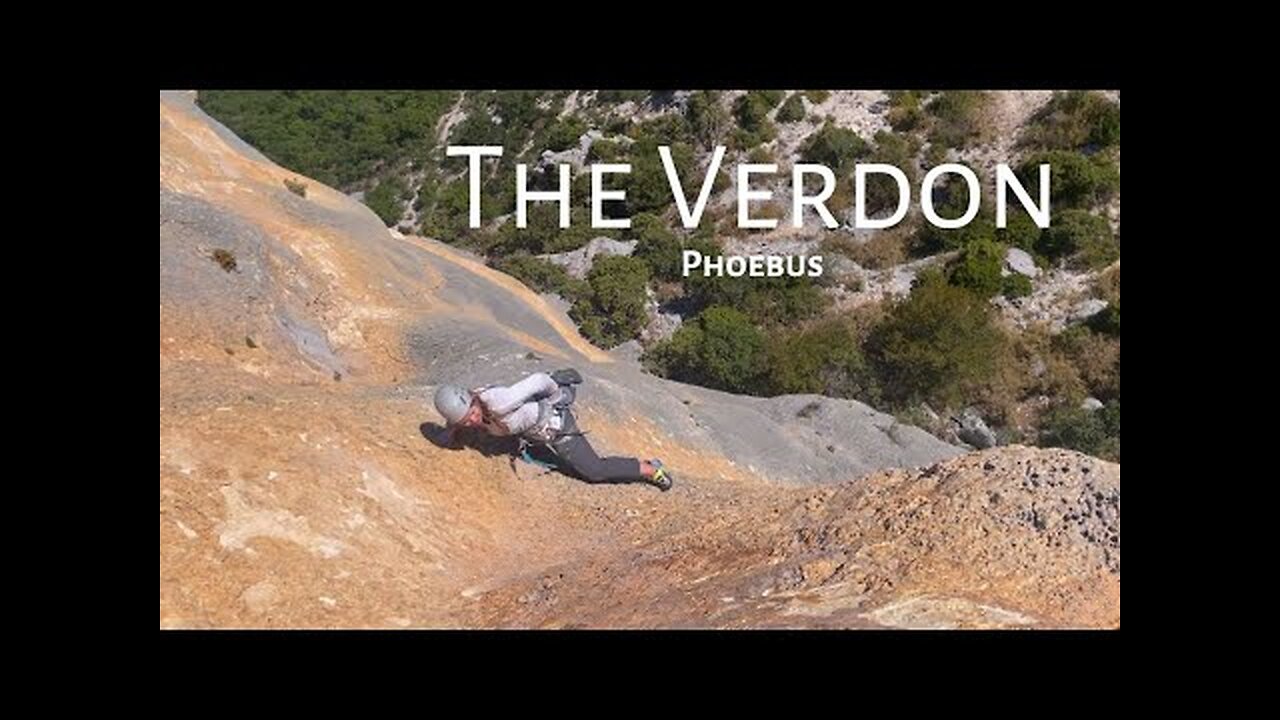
(458, 406)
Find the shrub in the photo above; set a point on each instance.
(761, 156)
(1074, 120)
(337, 137)
(719, 348)
(1107, 286)
(385, 200)
(883, 250)
(1016, 285)
(767, 300)
(657, 246)
(1095, 357)
(1074, 179)
(708, 121)
(564, 134)
(1020, 230)
(1072, 427)
(836, 147)
(936, 345)
(542, 276)
(817, 97)
(898, 151)
(647, 186)
(1106, 321)
(792, 110)
(1080, 235)
(752, 113)
(614, 312)
(958, 118)
(621, 96)
(296, 187)
(825, 359)
(905, 112)
(978, 268)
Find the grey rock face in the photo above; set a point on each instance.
(578, 262)
(1021, 262)
(1087, 309)
(972, 429)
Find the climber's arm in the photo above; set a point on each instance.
(502, 401)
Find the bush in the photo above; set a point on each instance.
(905, 112)
(385, 200)
(1095, 357)
(1074, 120)
(761, 156)
(606, 151)
(936, 345)
(614, 310)
(978, 268)
(900, 152)
(767, 300)
(338, 137)
(296, 187)
(1072, 427)
(1016, 285)
(647, 186)
(708, 122)
(621, 96)
(1107, 286)
(564, 134)
(882, 250)
(719, 348)
(792, 110)
(1074, 179)
(958, 118)
(817, 97)
(932, 238)
(663, 130)
(836, 147)
(1106, 321)
(1084, 237)
(542, 276)
(448, 217)
(657, 246)
(824, 359)
(1020, 231)
(752, 113)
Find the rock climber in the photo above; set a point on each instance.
(537, 410)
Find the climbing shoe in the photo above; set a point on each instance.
(662, 477)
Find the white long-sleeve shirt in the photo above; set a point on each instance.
(514, 410)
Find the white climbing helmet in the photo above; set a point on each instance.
(453, 403)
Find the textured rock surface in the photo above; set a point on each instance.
(299, 487)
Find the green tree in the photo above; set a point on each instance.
(1074, 120)
(937, 345)
(1075, 180)
(752, 113)
(1080, 235)
(708, 121)
(958, 118)
(719, 348)
(825, 358)
(614, 312)
(835, 147)
(387, 200)
(542, 276)
(792, 110)
(978, 268)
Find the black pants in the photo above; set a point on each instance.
(574, 454)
